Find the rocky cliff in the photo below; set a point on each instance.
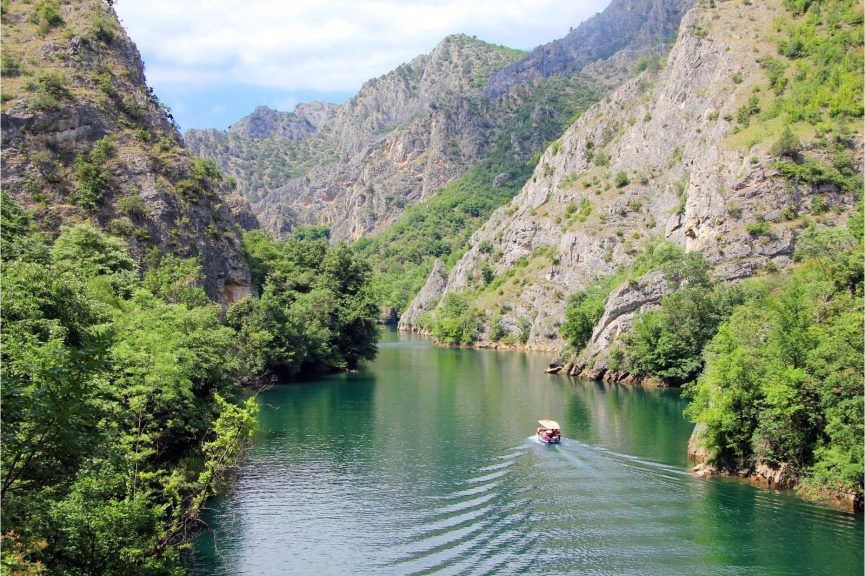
(400, 139)
(306, 119)
(625, 25)
(410, 132)
(428, 296)
(672, 153)
(84, 139)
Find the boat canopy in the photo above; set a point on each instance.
(549, 424)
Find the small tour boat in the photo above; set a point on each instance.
(549, 432)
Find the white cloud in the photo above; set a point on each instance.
(324, 46)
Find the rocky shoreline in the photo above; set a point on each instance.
(764, 475)
(605, 375)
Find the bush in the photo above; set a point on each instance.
(10, 65)
(582, 312)
(93, 179)
(783, 381)
(132, 206)
(787, 145)
(759, 228)
(47, 15)
(621, 179)
(455, 322)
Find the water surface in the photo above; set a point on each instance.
(424, 463)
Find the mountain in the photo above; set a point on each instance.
(306, 120)
(630, 25)
(402, 137)
(421, 156)
(691, 152)
(85, 139)
(409, 133)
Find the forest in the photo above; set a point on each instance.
(124, 407)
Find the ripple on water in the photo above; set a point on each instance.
(370, 502)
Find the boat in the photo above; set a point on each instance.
(549, 432)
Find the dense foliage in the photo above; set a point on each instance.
(783, 381)
(585, 307)
(316, 309)
(455, 322)
(121, 404)
(668, 343)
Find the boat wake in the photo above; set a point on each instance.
(510, 515)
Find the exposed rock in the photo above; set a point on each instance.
(667, 132)
(426, 299)
(149, 190)
(306, 120)
(623, 25)
(242, 212)
(592, 374)
(502, 179)
(697, 450)
(388, 316)
(775, 476)
(619, 311)
(554, 367)
(408, 133)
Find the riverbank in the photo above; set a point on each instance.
(441, 439)
(763, 475)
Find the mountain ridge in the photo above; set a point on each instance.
(661, 156)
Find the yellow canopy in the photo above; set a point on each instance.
(549, 424)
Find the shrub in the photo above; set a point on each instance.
(752, 108)
(759, 228)
(734, 209)
(10, 65)
(132, 206)
(93, 178)
(455, 322)
(621, 179)
(787, 145)
(47, 15)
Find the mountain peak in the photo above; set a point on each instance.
(265, 122)
(624, 24)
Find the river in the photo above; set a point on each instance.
(425, 463)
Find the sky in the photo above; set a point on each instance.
(213, 61)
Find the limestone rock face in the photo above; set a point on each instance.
(91, 89)
(242, 212)
(623, 25)
(780, 476)
(619, 311)
(408, 133)
(698, 453)
(426, 299)
(654, 158)
(306, 120)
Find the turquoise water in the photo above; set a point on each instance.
(424, 463)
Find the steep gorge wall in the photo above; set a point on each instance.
(686, 176)
(84, 139)
(407, 134)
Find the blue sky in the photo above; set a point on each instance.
(214, 61)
